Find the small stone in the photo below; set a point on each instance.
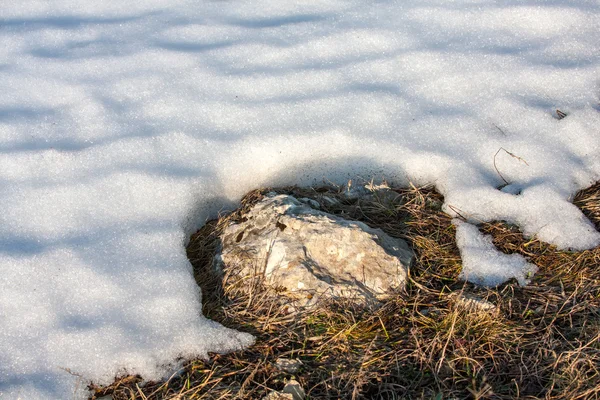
(372, 192)
(288, 365)
(356, 192)
(278, 396)
(293, 387)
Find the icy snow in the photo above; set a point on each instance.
(124, 125)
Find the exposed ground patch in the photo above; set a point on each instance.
(540, 341)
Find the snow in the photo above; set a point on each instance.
(125, 125)
(483, 264)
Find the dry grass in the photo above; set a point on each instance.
(540, 341)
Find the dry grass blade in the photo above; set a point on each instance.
(510, 154)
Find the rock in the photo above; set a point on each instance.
(288, 365)
(312, 254)
(356, 192)
(372, 192)
(293, 387)
(291, 391)
(278, 396)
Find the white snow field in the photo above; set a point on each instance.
(125, 125)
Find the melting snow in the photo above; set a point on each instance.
(483, 264)
(124, 125)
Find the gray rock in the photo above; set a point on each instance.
(356, 192)
(293, 387)
(274, 395)
(372, 192)
(291, 391)
(312, 254)
(288, 365)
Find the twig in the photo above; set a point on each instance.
(455, 209)
(510, 154)
(501, 131)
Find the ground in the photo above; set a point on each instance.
(539, 341)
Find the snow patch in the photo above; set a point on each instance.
(483, 264)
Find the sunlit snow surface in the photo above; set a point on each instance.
(124, 125)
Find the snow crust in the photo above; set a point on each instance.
(124, 125)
